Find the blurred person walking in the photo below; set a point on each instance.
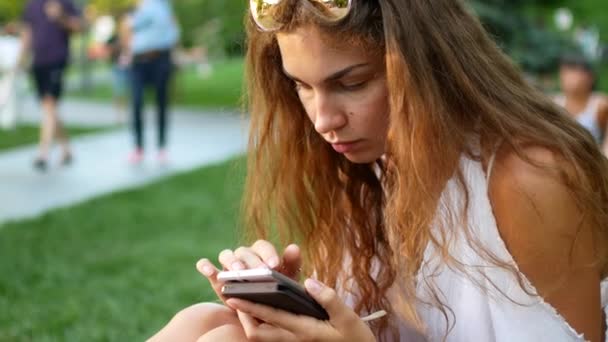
(588, 107)
(117, 46)
(46, 33)
(154, 32)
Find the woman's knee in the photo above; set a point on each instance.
(228, 332)
(194, 321)
(207, 314)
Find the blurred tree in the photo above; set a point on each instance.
(226, 17)
(111, 6)
(520, 28)
(11, 10)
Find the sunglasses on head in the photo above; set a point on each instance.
(267, 13)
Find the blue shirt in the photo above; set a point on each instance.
(50, 40)
(154, 27)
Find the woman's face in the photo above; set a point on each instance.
(342, 89)
(575, 79)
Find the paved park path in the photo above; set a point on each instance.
(196, 139)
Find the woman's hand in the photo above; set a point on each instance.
(264, 323)
(261, 254)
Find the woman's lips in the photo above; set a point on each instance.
(345, 147)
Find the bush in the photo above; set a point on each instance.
(224, 19)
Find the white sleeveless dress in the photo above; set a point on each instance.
(482, 313)
(486, 315)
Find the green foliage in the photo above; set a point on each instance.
(111, 6)
(522, 33)
(226, 16)
(525, 28)
(593, 12)
(11, 9)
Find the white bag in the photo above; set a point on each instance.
(8, 99)
(9, 58)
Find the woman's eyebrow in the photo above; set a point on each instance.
(336, 75)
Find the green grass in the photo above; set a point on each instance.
(222, 88)
(26, 134)
(118, 267)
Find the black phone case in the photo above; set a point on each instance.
(276, 295)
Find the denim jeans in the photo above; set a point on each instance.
(152, 71)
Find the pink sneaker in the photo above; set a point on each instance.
(162, 157)
(136, 157)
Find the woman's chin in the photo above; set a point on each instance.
(362, 158)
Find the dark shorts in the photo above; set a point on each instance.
(48, 79)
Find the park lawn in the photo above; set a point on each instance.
(117, 268)
(26, 134)
(221, 88)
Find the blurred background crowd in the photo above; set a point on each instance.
(536, 34)
(207, 59)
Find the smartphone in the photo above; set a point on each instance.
(268, 287)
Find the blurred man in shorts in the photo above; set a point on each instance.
(48, 25)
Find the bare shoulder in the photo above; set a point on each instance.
(530, 190)
(543, 227)
(537, 175)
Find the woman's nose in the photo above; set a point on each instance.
(329, 115)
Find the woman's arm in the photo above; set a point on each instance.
(26, 43)
(543, 229)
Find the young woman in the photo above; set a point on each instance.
(419, 174)
(587, 107)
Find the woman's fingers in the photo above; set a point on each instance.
(342, 318)
(344, 324)
(209, 270)
(256, 331)
(248, 257)
(261, 254)
(229, 261)
(266, 251)
(339, 313)
(277, 324)
(247, 321)
(292, 261)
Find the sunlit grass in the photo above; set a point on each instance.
(217, 87)
(25, 134)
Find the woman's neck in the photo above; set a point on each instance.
(577, 102)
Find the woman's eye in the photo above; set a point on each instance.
(352, 86)
(300, 86)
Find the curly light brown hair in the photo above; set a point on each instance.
(448, 82)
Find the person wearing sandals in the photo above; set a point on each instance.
(48, 25)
